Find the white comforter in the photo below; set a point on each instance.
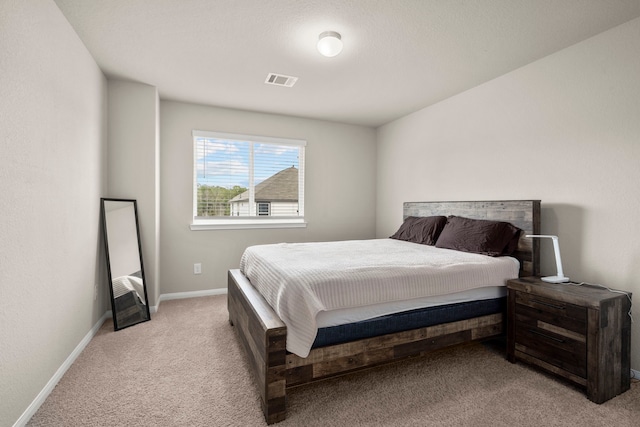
(299, 280)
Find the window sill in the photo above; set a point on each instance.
(246, 224)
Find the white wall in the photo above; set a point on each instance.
(339, 190)
(565, 129)
(133, 165)
(52, 175)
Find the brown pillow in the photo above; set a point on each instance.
(493, 238)
(512, 246)
(423, 230)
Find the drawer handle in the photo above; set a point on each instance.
(559, 307)
(533, 331)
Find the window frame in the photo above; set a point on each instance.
(248, 222)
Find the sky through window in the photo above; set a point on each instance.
(226, 163)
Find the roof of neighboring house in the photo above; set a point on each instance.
(281, 187)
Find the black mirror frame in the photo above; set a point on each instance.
(116, 326)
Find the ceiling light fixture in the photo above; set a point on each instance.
(329, 43)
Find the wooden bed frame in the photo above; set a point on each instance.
(263, 335)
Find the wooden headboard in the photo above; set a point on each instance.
(524, 214)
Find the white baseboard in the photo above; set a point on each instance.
(193, 294)
(48, 388)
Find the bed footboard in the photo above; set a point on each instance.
(263, 336)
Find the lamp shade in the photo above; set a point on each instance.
(330, 43)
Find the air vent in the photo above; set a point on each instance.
(280, 80)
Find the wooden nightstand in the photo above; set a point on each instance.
(581, 333)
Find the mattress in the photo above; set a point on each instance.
(301, 280)
(407, 320)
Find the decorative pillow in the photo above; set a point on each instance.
(493, 238)
(423, 230)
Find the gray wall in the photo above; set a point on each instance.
(134, 166)
(564, 129)
(339, 190)
(53, 101)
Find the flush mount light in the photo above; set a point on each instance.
(329, 43)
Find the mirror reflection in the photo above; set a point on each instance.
(124, 262)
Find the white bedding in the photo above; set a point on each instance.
(124, 284)
(342, 316)
(300, 280)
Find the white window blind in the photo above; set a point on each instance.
(245, 180)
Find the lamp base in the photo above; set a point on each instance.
(555, 279)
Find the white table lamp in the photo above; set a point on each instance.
(559, 277)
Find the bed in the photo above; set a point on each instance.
(263, 334)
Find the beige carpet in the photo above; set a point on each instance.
(185, 368)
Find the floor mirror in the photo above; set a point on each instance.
(129, 302)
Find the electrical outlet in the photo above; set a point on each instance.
(95, 291)
(197, 268)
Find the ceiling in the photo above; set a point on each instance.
(399, 55)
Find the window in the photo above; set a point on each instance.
(264, 208)
(242, 181)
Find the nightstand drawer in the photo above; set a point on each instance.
(557, 346)
(567, 316)
(553, 331)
